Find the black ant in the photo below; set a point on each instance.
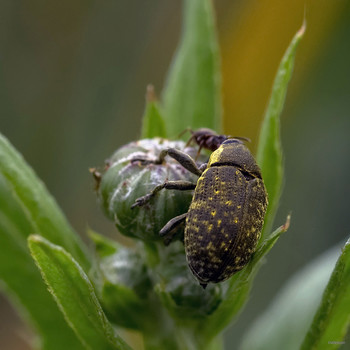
(208, 139)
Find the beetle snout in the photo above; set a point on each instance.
(232, 141)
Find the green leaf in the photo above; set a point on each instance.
(269, 155)
(291, 311)
(124, 307)
(74, 295)
(103, 246)
(238, 287)
(192, 95)
(39, 206)
(22, 281)
(332, 319)
(153, 124)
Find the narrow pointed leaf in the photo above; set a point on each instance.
(332, 319)
(23, 283)
(153, 124)
(269, 154)
(74, 295)
(290, 313)
(239, 287)
(192, 95)
(38, 204)
(103, 246)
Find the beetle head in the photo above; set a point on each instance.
(233, 140)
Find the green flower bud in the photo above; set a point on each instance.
(180, 292)
(126, 180)
(122, 282)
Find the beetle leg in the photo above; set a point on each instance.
(169, 185)
(172, 224)
(203, 166)
(166, 230)
(183, 158)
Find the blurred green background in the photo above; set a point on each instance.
(73, 76)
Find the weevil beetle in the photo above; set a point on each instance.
(226, 214)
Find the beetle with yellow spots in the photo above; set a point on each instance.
(231, 186)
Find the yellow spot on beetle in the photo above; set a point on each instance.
(210, 245)
(213, 212)
(215, 156)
